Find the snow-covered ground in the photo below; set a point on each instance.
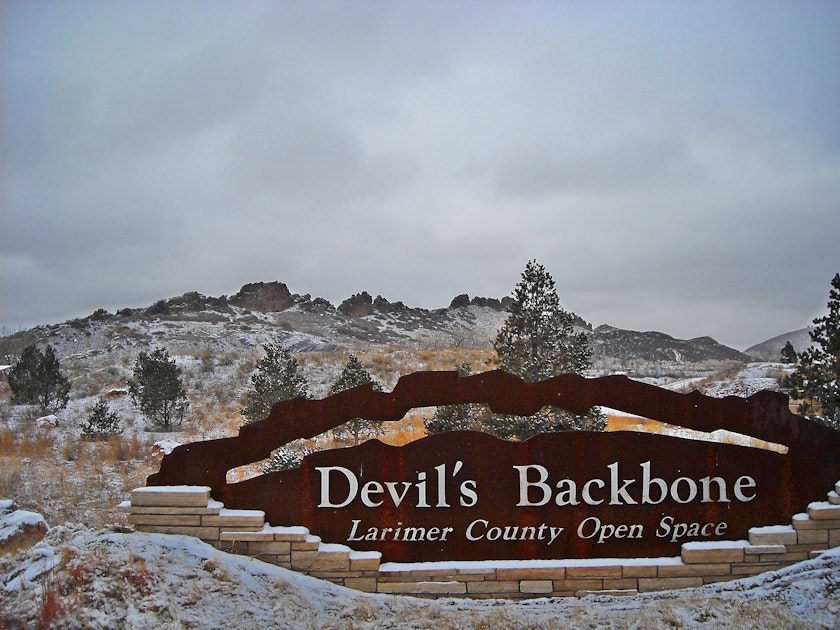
(111, 578)
(106, 578)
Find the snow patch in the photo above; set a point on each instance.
(716, 544)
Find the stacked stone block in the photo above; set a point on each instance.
(190, 510)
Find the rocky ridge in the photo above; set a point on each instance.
(268, 311)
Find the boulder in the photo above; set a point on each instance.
(19, 529)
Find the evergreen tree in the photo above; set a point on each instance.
(101, 423)
(36, 379)
(287, 456)
(536, 342)
(157, 391)
(463, 417)
(277, 377)
(816, 380)
(352, 375)
(788, 353)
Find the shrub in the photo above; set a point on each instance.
(157, 391)
(36, 379)
(101, 423)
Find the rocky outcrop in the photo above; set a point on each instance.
(463, 301)
(263, 297)
(357, 305)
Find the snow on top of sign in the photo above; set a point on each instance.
(238, 513)
(178, 489)
(334, 548)
(716, 544)
(772, 529)
(280, 529)
(467, 565)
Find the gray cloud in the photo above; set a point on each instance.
(676, 167)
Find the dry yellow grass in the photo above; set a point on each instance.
(27, 442)
(407, 430)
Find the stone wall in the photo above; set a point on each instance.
(190, 510)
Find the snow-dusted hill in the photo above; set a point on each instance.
(193, 324)
(771, 349)
(80, 578)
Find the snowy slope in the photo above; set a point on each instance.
(241, 324)
(78, 578)
(771, 350)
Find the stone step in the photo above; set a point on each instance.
(267, 534)
(803, 521)
(762, 550)
(823, 511)
(325, 557)
(211, 508)
(171, 496)
(834, 498)
(773, 535)
(241, 518)
(713, 551)
(365, 560)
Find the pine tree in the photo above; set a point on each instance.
(36, 379)
(468, 416)
(287, 456)
(536, 342)
(157, 391)
(277, 377)
(816, 380)
(101, 423)
(352, 375)
(788, 353)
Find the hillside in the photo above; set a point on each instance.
(193, 324)
(771, 349)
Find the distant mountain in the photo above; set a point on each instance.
(260, 312)
(627, 347)
(771, 349)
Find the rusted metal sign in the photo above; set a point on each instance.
(470, 496)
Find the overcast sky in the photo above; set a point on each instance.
(675, 166)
